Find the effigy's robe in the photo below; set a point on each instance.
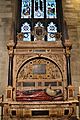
(38, 96)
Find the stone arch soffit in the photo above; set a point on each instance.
(39, 58)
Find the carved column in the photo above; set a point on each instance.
(10, 69)
(68, 45)
(9, 90)
(10, 46)
(70, 88)
(69, 82)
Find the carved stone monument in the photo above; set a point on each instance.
(39, 80)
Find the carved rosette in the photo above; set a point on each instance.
(20, 36)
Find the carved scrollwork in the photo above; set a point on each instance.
(58, 58)
(21, 58)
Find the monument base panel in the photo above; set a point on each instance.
(61, 110)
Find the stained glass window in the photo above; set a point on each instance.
(25, 29)
(38, 8)
(50, 8)
(51, 30)
(26, 9)
(46, 12)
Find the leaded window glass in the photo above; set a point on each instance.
(46, 12)
(26, 30)
(51, 30)
(38, 8)
(26, 9)
(50, 8)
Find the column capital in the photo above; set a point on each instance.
(10, 47)
(68, 46)
(68, 51)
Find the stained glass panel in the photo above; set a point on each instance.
(50, 9)
(26, 9)
(27, 31)
(38, 8)
(34, 12)
(51, 30)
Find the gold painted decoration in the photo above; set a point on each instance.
(39, 69)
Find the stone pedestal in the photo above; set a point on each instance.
(45, 110)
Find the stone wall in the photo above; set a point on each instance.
(5, 18)
(71, 10)
(71, 14)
